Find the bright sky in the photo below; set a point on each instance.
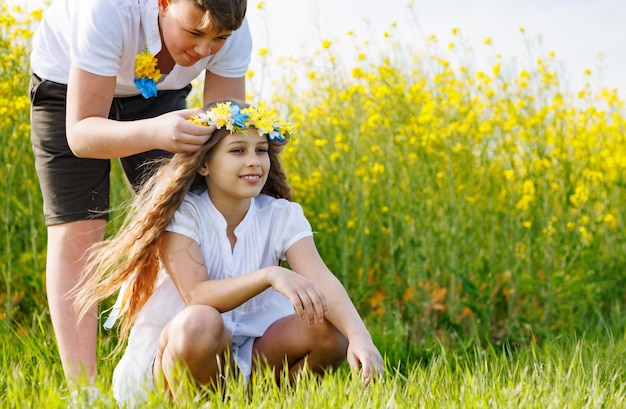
(584, 34)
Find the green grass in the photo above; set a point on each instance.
(586, 371)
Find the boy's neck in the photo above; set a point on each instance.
(165, 62)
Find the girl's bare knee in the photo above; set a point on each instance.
(197, 330)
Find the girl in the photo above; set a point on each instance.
(202, 248)
(109, 80)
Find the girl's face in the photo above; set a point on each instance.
(184, 35)
(237, 167)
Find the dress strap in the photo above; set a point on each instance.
(120, 306)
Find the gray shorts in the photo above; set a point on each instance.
(77, 188)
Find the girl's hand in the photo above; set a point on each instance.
(174, 133)
(308, 301)
(363, 357)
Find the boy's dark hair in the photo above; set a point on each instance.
(225, 15)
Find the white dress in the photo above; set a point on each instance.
(269, 228)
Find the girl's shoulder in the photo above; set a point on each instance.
(194, 204)
(265, 202)
(196, 196)
(194, 211)
(272, 208)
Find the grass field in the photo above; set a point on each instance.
(565, 372)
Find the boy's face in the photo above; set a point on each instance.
(184, 34)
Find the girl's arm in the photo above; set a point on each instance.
(183, 260)
(304, 258)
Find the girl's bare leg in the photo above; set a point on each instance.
(195, 341)
(295, 342)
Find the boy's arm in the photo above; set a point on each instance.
(91, 134)
(217, 87)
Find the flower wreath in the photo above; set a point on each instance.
(232, 117)
(147, 73)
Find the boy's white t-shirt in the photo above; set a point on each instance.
(104, 36)
(267, 231)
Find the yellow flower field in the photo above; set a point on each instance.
(455, 202)
(462, 200)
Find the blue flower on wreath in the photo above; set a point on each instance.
(239, 118)
(274, 135)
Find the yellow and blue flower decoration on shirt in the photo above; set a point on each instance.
(147, 74)
(233, 118)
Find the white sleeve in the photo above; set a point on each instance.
(290, 225)
(233, 59)
(186, 221)
(97, 36)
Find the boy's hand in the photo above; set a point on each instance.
(278, 146)
(176, 134)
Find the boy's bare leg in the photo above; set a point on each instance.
(67, 246)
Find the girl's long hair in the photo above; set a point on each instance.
(132, 256)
